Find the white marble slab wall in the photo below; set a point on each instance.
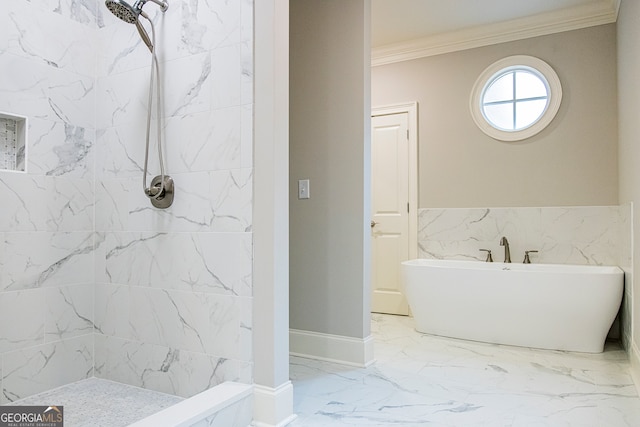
(48, 65)
(585, 235)
(174, 287)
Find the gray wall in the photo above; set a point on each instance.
(329, 133)
(571, 162)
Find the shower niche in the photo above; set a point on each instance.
(13, 146)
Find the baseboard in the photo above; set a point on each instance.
(273, 407)
(634, 358)
(331, 348)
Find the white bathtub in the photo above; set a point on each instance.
(560, 307)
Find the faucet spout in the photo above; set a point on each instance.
(507, 253)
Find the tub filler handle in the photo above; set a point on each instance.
(526, 256)
(489, 257)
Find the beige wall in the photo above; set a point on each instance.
(629, 147)
(329, 128)
(571, 162)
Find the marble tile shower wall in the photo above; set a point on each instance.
(585, 235)
(173, 287)
(164, 297)
(47, 64)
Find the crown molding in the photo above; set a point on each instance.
(568, 19)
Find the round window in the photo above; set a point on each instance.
(515, 98)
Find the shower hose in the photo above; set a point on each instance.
(155, 192)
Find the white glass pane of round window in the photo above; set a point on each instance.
(515, 98)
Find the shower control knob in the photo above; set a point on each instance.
(165, 198)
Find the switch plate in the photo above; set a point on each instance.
(303, 189)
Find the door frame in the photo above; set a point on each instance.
(411, 108)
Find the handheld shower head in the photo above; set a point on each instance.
(130, 14)
(122, 10)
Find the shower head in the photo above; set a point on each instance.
(130, 14)
(123, 11)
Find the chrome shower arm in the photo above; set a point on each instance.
(139, 3)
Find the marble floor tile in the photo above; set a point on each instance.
(421, 380)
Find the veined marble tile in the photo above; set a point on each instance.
(422, 378)
(455, 224)
(51, 38)
(123, 99)
(202, 26)
(40, 203)
(160, 368)
(89, 12)
(238, 414)
(624, 238)
(112, 310)
(21, 319)
(246, 329)
(246, 12)
(197, 322)
(202, 262)
(187, 28)
(46, 366)
(246, 83)
(219, 201)
(122, 48)
(246, 136)
(191, 80)
(32, 89)
(60, 149)
(582, 224)
(112, 209)
(227, 69)
(121, 150)
(569, 235)
(125, 96)
(565, 252)
(69, 311)
(205, 141)
(34, 260)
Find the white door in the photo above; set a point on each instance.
(390, 210)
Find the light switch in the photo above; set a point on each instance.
(303, 189)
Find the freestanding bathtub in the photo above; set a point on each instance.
(559, 307)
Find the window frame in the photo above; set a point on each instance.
(499, 68)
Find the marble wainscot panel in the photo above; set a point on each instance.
(562, 235)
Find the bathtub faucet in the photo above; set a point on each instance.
(507, 254)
